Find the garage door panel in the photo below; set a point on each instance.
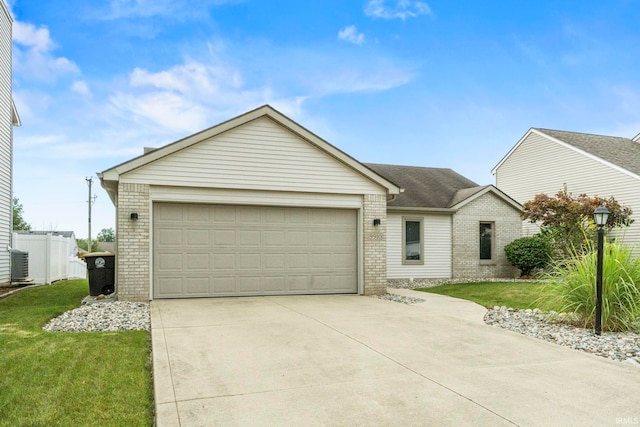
(198, 237)
(224, 262)
(223, 286)
(275, 239)
(249, 238)
(170, 286)
(224, 214)
(170, 236)
(224, 238)
(275, 262)
(198, 213)
(344, 260)
(298, 283)
(298, 261)
(249, 285)
(321, 238)
(217, 250)
(170, 261)
(198, 261)
(197, 286)
(274, 284)
(297, 238)
(247, 262)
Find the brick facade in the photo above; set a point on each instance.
(375, 244)
(466, 238)
(133, 263)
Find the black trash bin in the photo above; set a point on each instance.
(101, 272)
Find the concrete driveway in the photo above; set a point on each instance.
(360, 361)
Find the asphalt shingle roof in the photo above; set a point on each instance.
(622, 152)
(426, 187)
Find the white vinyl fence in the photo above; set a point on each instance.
(51, 257)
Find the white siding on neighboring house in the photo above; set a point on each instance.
(540, 165)
(437, 247)
(260, 155)
(6, 131)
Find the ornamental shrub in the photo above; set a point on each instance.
(572, 288)
(529, 253)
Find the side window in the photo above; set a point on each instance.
(412, 241)
(486, 240)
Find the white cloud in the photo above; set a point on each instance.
(81, 87)
(351, 35)
(28, 35)
(352, 80)
(32, 55)
(192, 96)
(119, 9)
(402, 9)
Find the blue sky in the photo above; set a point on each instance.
(425, 83)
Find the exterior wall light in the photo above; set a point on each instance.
(133, 216)
(376, 222)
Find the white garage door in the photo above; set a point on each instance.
(220, 250)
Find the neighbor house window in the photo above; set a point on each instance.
(486, 240)
(412, 241)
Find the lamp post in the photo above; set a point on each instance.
(600, 215)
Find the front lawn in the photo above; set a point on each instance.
(65, 378)
(521, 295)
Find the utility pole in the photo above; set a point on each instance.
(90, 202)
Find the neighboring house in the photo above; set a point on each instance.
(545, 161)
(446, 226)
(259, 205)
(8, 119)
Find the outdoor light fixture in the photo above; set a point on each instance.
(600, 216)
(134, 216)
(376, 222)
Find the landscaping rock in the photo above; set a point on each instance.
(103, 316)
(553, 327)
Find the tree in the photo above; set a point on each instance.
(106, 235)
(83, 244)
(18, 221)
(569, 220)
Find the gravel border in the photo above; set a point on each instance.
(549, 326)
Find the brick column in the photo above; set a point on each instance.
(375, 244)
(132, 259)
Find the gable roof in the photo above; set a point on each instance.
(435, 189)
(110, 177)
(622, 153)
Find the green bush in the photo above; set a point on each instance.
(573, 288)
(529, 253)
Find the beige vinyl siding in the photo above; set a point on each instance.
(259, 155)
(437, 247)
(540, 165)
(6, 130)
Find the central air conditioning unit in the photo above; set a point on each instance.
(19, 265)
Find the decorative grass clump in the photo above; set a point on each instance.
(572, 288)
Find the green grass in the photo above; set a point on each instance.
(69, 379)
(521, 295)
